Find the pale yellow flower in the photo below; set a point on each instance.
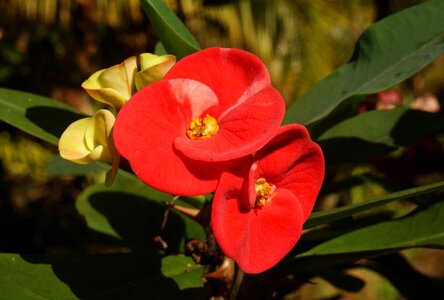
(89, 140)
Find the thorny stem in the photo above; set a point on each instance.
(167, 211)
(158, 239)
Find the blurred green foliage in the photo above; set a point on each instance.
(24, 157)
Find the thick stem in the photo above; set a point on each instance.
(237, 283)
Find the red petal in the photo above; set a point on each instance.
(294, 162)
(259, 238)
(234, 75)
(147, 126)
(242, 130)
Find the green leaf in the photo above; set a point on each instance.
(39, 116)
(372, 134)
(423, 228)
(178, 268)
(394, 127)
(175, 37)
(331, 215)
(159, 49)
(387, 53)
(132, 213)
(58, 166)
(99, 276)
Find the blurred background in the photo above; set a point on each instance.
(49, 47)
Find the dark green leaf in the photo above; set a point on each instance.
(395, 127)
(183, 270)
(375, 133)
(387, 53)
(175, 37)
(58, 166)
(39, 116)
(323, 217)
(100, 276)
(159, 49)
(423, 228)
(132, 213)
(352, 150)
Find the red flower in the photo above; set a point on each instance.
(213, 106)
(258, 211)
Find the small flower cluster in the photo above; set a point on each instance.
(90, 140)
(213, 124)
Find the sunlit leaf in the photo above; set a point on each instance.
(387, 53)
(175, 37)
(183, 270)
(99, 276)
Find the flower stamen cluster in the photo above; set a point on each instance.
(264, 191)
(202, 128)
(274, 189)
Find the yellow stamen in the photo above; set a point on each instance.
(264, 190)
(202, 128)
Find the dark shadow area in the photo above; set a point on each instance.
(138, 221)
(424, 158)
(415, 125)
(351, 150)
(342, 280)
(47, 221)
(52, 120)
(408, 281)
(115, 276)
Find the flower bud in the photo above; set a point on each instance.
(115, 85)
(153, 68)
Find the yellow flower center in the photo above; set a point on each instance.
(202, 128)
(264, 190)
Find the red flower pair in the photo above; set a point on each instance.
(212, 124)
